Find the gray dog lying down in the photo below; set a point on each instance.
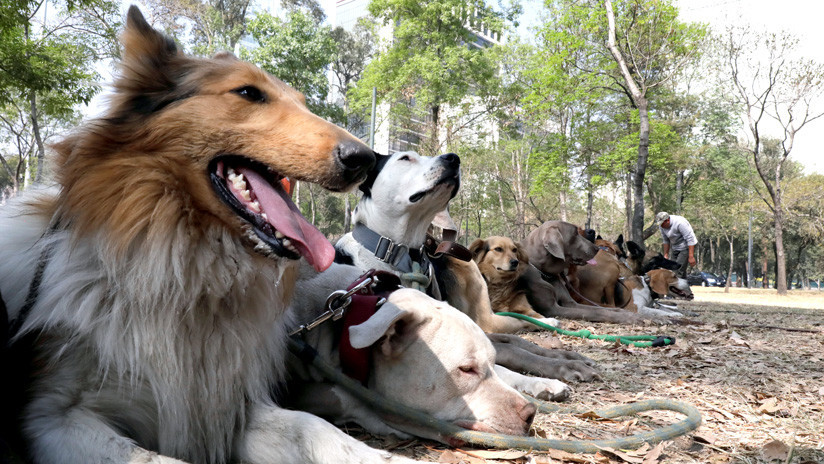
(426, 354)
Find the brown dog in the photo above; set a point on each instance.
(551, 248)
(597, 283)
(502, 262)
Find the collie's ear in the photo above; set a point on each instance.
(478, 248)
(142, 42)
(150, 69)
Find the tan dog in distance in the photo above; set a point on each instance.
(502, 262)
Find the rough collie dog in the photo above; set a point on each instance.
(154, 276)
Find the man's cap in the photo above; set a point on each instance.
(661, 217)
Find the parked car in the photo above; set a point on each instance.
(706, 279)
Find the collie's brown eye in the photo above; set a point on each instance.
(251, 93)
(499, 249)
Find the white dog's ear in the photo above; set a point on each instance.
(366, 185)
(393, 327)
(554, 242)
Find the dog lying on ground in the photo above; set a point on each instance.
(551, 248)
(502, 262)
(425, 354)
(154, 280)
(643, 291)
(640, 266)
(406, 191)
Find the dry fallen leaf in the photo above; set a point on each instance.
(498, 454)
(563, 456)
(654, 454)
(775, 451)
(705, 437)
(451, 457)
(769, 406)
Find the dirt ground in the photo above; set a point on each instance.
(753, 366)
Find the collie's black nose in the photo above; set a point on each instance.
(355, 158)
(513, 264)
(451, 160)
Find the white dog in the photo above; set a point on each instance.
(402, 195)
(425, 354)
(655, 284)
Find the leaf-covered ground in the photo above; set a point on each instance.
(754, 367)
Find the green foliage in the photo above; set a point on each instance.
(46, 70)
(298, 50)
(431, 60)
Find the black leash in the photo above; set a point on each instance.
(34, 289)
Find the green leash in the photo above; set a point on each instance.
(641, 341)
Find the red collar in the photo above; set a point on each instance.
(357, 363)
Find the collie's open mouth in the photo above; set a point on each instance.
(254, 192)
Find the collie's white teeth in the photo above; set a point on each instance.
(239, 184)
(231, 173)
(264, 216)
(286, 243)
(279, 235)
(254, 206)
(246, 195)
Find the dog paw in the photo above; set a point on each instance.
(578, 371)
(550, 390)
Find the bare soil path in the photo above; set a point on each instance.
(754, 367)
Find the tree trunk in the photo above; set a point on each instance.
(780, 260)
(639, 100)
(713, 247)
(435, 141)
(640, 171)
(628, 202)
(41, 149)
(562, 204)
(729, 273)
(589, 201)
(679, 191)
(347, 214)
(312, 202)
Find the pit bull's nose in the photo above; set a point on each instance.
(451, 160)
(355, 158)
(527, 413)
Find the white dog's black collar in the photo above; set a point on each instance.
(398, 256)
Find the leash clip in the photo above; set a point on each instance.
(336, 305)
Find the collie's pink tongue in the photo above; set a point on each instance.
(285, 216)
(592, 261)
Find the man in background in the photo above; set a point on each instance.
(677, 235)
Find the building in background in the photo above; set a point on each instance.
(395, 133)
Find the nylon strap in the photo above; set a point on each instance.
(640, 341)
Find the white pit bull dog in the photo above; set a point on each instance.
(425, 354)
(401, 196)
